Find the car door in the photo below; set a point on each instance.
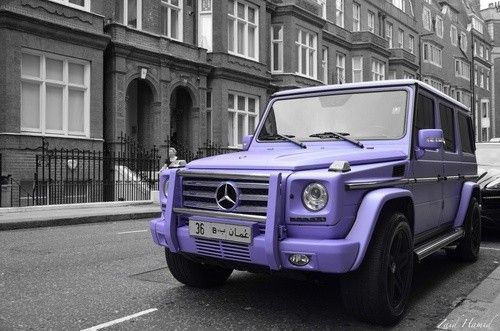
(452, 186)
(427, 189)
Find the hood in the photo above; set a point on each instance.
(296, 159)
(487, 176)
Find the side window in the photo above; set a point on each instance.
(448, 126)
(424, 115)
(466, 136)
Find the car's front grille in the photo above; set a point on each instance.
(200, 193)
(224, 250)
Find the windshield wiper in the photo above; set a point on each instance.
(338, 135)
(286, 137)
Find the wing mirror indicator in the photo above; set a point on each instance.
(246, 141)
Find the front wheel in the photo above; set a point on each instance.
(378, 291)
(195, 274)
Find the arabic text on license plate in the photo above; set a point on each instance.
(220, 231)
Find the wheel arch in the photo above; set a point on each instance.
(373, 206)
(469, 190)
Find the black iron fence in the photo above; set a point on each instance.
(123, 171)
(208, 148)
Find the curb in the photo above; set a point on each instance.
(480, 310)
(76, 220)
(8, 210)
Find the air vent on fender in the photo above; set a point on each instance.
(398, 171)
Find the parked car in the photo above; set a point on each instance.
(355, 179)
(488, 160)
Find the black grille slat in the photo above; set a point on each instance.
(199, 193)
(215, 248)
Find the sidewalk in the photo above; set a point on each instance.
(55, 215)
(480, 310)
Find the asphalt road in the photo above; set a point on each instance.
(77, 277)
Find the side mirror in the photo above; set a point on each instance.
(246, 141)
(430, 139)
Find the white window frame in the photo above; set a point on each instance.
(411, 44)
(487, 103)
(356, 70)
(340, 68)
(311, 51)
(427, 18)
(401, 39)
(477, 25)
(378, 70)
(481, 50)
(389, 34)
(487, 81)
(324, 64)
(371, 22)
(400, 4)
(463, 41)
(246, 113)
(235, 19)
(481, 79)
(42, 81)
(322, 4)
(205, 13)
(339, 13)
(407, 75)
(210, 129)
(434, 83)
(85, 7)
(278, 42)
(434, 54)
(125, 14)
(170, 8)
(439, 26)
(462, 69)
(453, 35)
(356, 17)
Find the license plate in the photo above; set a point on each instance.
(220, 231)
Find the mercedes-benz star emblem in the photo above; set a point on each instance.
(226, 196)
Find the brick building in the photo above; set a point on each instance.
(491, 17)
(85, 71)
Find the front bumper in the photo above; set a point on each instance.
(329, 256)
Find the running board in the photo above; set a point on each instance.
(436, 244)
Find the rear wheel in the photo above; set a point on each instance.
(195, 274)
(467, 249)
(378, 291)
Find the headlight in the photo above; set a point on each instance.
(165, 188)
(494, 184)
(315, 197)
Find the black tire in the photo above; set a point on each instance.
(195, 274)
(378, 291)
(467, 249)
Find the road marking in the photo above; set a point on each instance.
(491, 248)
(137, 231)
(119, 320)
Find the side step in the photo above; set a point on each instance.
(436, 244)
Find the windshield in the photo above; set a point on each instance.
(365, 115)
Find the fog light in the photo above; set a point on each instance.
(299, 260)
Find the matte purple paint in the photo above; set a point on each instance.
(339, 242)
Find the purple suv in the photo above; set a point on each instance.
(356, 179)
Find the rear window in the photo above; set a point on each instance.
(448, 127)
(424, 115)
(466, 135)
